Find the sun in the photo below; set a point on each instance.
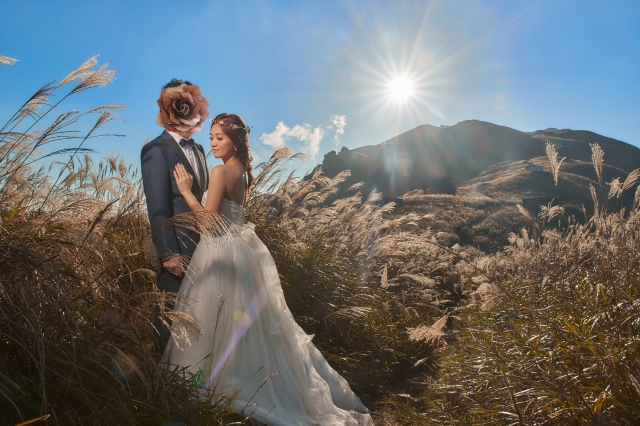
(401, 89)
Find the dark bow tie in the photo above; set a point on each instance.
(185, 142)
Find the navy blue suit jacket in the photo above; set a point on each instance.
(159, 158)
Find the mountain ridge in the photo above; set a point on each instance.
(447, 157)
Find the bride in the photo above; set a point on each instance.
(250, 343)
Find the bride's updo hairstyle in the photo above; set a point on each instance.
(234, 128)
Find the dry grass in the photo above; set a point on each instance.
(548, 333)
(560, 346)
(325, 256)
(76, 296)
(77, 290)
(544, 332)
(597, 158)
(555, 164)
(7, 61)
(427, 328)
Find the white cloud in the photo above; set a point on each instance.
(309, 136)
(340, 122)
(276, 138)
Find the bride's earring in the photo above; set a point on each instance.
(235, 148)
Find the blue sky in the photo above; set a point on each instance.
(315, 75)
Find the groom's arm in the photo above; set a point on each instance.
(156, 180)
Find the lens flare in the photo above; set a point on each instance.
(244, 320)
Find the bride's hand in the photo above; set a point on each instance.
(183, 179)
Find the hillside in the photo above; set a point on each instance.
(469, 177)
(441, 157)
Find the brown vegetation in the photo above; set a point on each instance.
(422, 309)
(546, 332)
(76, 297)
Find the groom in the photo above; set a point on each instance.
(183, 111)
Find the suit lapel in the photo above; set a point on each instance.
(171, 142)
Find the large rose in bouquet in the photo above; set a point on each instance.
(183, 109)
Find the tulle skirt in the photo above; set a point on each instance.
(251, 343)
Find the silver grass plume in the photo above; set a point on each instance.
(213, 227)
(615, 188)
(35, 106)
(548, 212)
(183, 326)
(420, 279)
(597, 157)
(488, 294)
(631, 180)
(80, 72)
(525, 213)
(384, 282)
(6, 60)
(429, 334)
(529, 216)
(355, 186)
(98, 78)
(552, 154)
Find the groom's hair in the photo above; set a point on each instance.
(175, 83)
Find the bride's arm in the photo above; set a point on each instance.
(215, 191)
(184, 181)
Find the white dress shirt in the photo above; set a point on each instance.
(189, 153)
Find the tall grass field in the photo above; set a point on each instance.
(543, 332)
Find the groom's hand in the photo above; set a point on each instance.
(173, 266)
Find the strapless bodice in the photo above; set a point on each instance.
(233, 211)
(230, 209)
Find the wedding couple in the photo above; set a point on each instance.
(249, 336)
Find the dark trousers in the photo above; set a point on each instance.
(171, 283)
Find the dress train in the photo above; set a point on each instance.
(253, 344)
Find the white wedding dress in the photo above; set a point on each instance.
(254, 338)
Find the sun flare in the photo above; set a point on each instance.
(401, 89)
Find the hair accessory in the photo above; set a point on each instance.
(233, 126)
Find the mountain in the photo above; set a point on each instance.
(462, 183)
(441, 159)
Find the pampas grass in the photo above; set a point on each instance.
(76, 293)
(426, 329)
(429, 334)
(615, 188)
(597, 157)
(557, 344)
(327, 257)
(7, 61)
(555, 164)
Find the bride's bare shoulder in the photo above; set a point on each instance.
(218, 171)
(223, 171)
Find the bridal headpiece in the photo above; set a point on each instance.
(247, 129)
